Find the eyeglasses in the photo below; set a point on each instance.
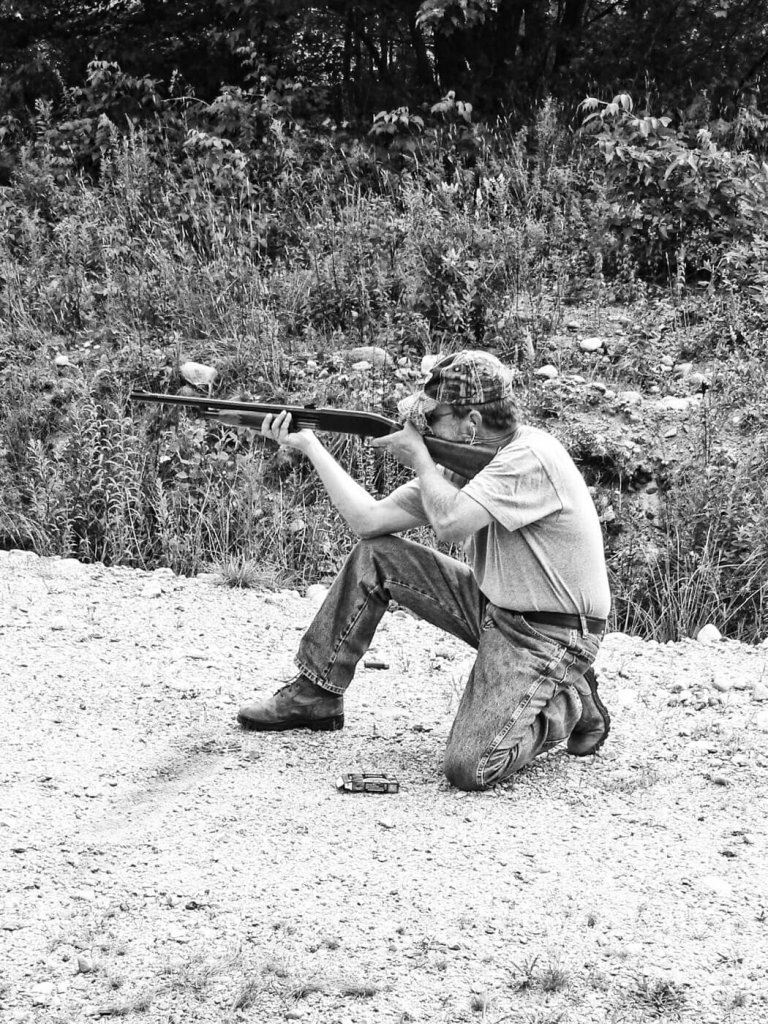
(434, 417)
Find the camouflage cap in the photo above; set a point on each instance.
(463, 378)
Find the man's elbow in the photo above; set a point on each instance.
(449, 531)
(370, 525)
(368, 532)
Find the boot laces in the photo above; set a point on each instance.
(290, 687)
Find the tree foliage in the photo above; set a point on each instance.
(346, 60)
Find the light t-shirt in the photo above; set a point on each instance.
(544, 549)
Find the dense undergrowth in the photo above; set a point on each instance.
(271, 262)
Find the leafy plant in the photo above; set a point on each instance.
(673, 197)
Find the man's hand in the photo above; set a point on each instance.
(275, 427)
(407, 446)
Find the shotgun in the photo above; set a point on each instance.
(464, 459)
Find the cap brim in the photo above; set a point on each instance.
(416, 408)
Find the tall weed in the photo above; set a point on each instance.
(267, 261)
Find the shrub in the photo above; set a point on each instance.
(674, 194)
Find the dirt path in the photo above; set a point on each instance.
(162, 866)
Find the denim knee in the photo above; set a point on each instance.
(371, 550)
(369, 546)
(461, 773)
(473, 773)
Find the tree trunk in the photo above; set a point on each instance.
(424, 74)
(569, 32)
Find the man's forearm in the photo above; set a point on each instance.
(352, 501)
(438, 497)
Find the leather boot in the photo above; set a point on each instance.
(300, 704)
(591, 730)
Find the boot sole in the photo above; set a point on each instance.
(315, 724)
(606, 724)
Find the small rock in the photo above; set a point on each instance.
(722, 684)
(591, 344)
(709, 634)
(152, 590)
(84, 966)
(629, 397)
(719, 780)
(549, 372)
(361, 366)
(375, 663)
(717, 886)
(385, 823)
(760, 692)
(372, 354)
(675, 404)
(761, 721)
(61, 360)
(41, 993)
(198, 374)
(428, 361)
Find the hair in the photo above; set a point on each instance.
(501, 415)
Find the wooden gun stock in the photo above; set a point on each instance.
(464, 459)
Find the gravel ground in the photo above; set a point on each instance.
(162, 866)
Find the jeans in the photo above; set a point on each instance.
(522, 695)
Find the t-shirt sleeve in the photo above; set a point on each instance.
(408, 497)
(515, 488)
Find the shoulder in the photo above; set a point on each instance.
(530, 442)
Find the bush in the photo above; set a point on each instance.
(675, 194)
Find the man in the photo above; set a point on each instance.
(532, 597)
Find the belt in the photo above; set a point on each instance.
(566, 621)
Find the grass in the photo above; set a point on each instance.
(640, 778)
(248, 994)
(658, 996)
(534, 975)
(129, 276)
(139, 1003)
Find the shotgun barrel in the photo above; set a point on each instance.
(466, 460)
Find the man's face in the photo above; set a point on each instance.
(443, 423)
